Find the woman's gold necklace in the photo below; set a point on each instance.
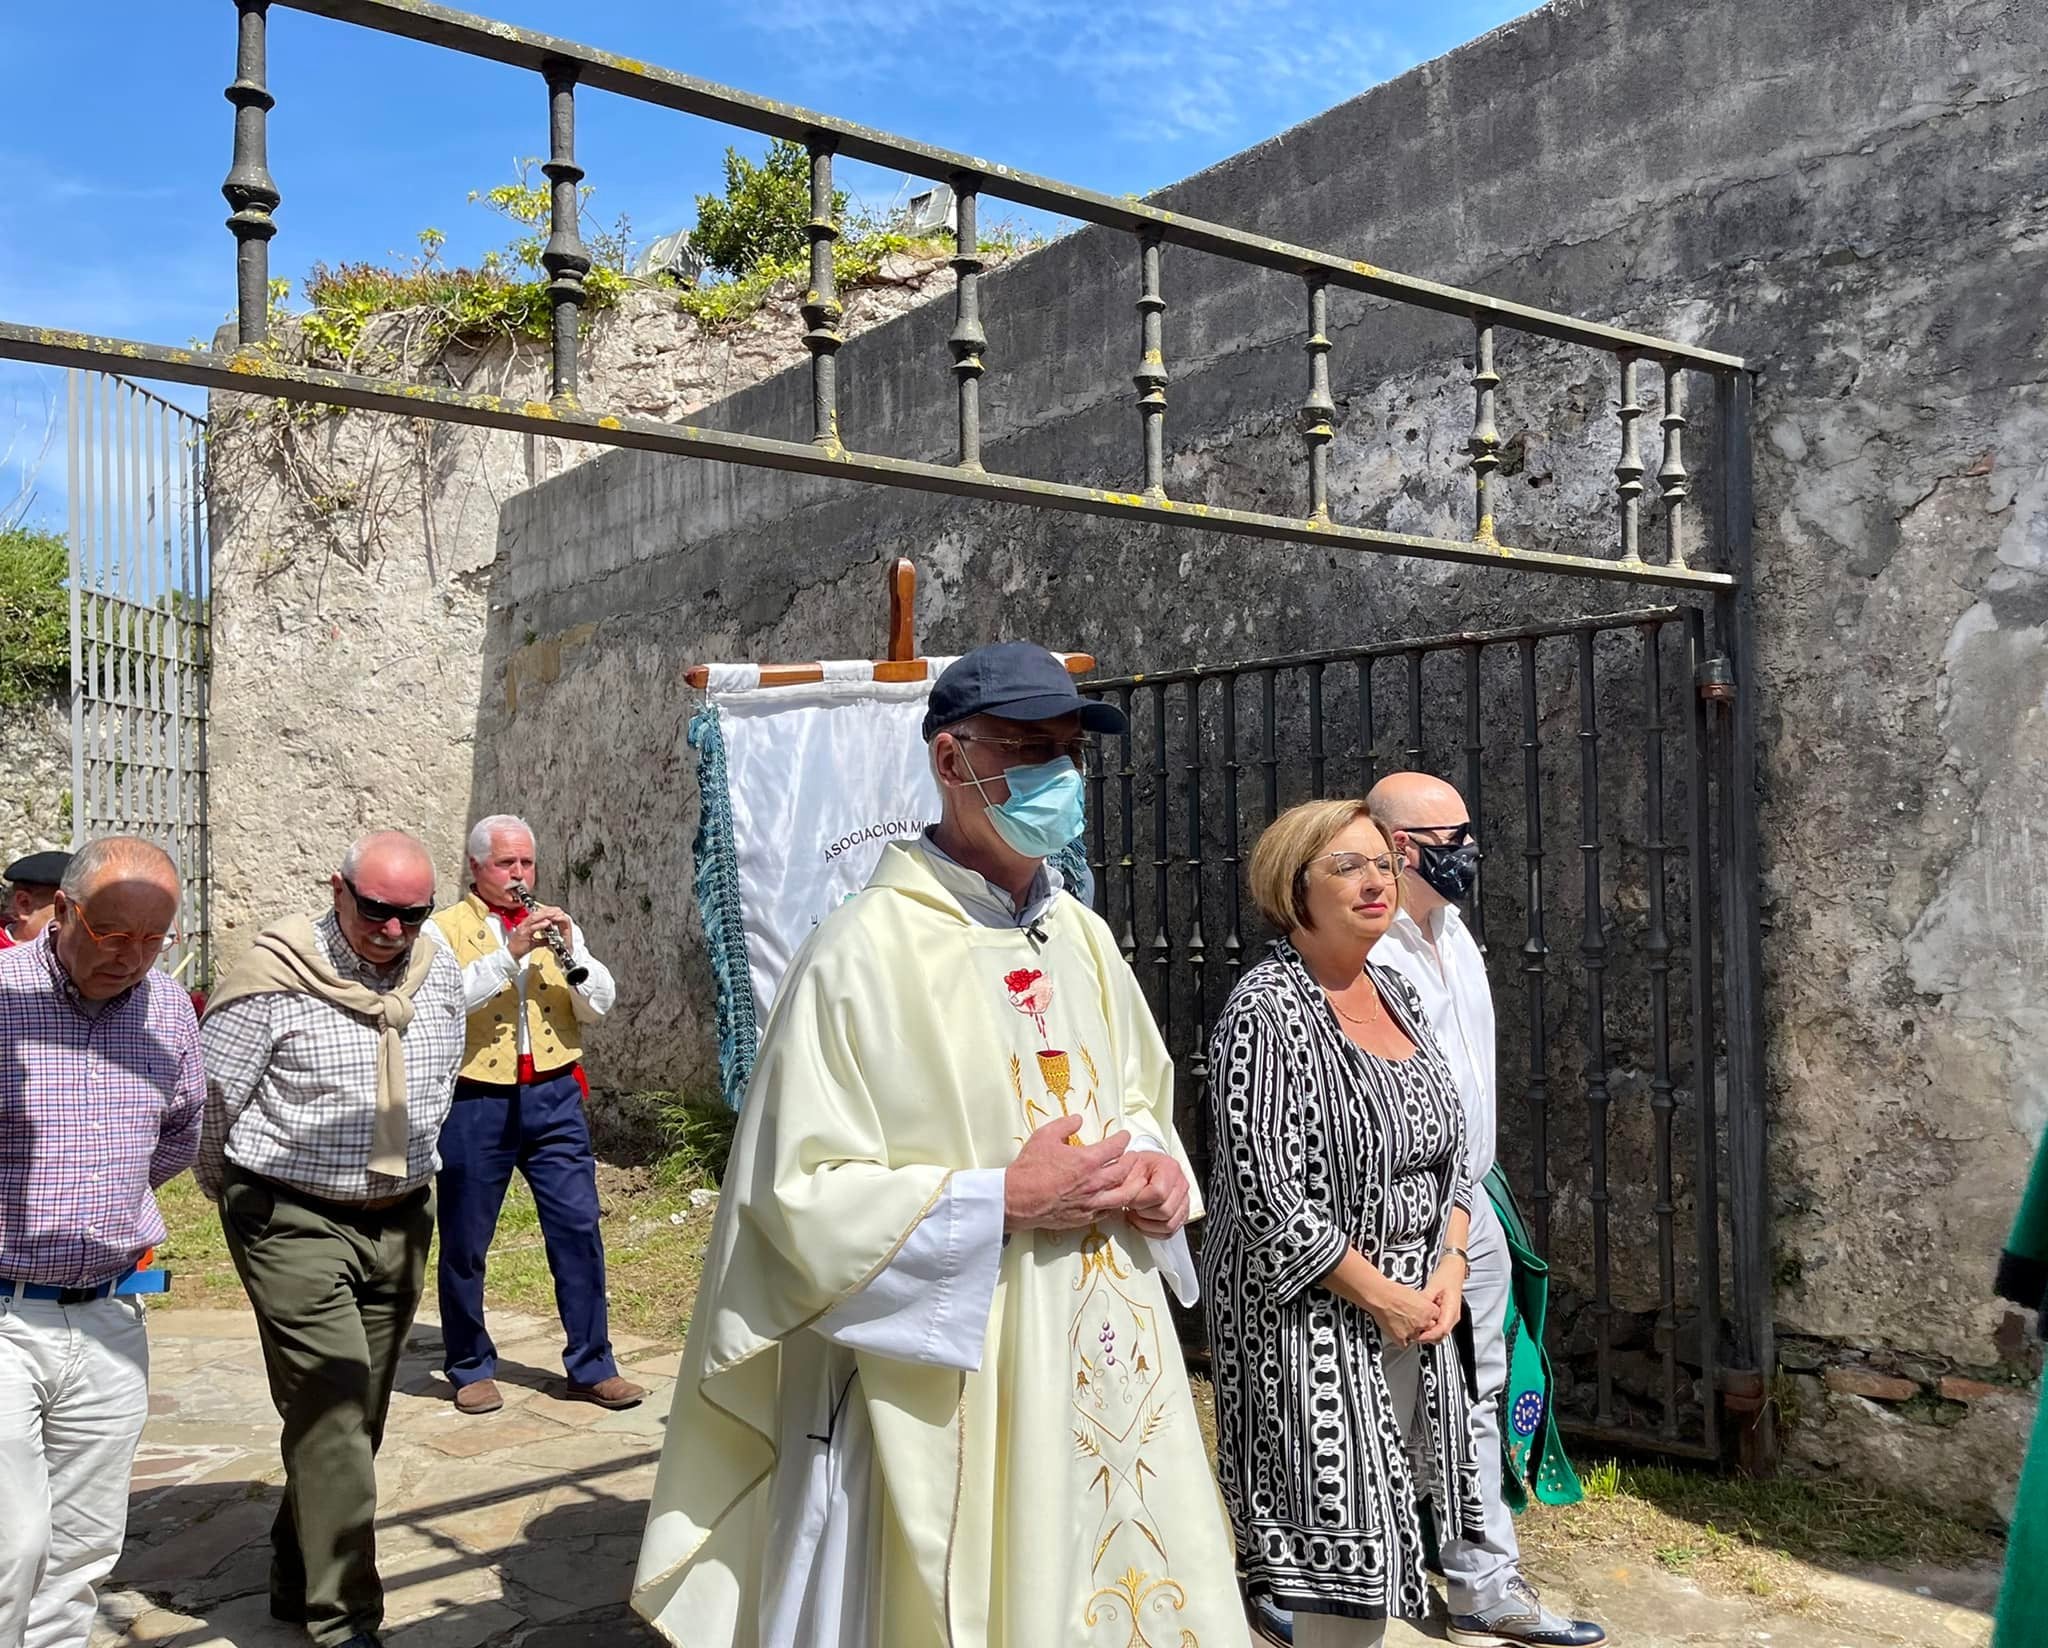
(1352, 1018)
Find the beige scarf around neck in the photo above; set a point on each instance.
(290, 959)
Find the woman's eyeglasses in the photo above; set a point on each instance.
(1354, 866)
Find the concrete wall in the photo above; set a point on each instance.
(352, 559)
(1849, 197)
(35, 776)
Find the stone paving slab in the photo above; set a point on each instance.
(520, 1528)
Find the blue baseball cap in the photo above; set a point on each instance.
(1018, 681)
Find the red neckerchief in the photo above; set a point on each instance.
(527, 1073)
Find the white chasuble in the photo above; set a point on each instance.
(1056, 1496)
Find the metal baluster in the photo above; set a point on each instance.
(565, 257)
(1319, 411)
(821, 310)
(1151, 374)
(1706, 1169)
(1535, 958)
(1198, 952)
(1162, 938)
(1475, 910)
(1414, 711)
(1485, 442)
(129, 458)
(1672, 479)
(250, 189)
(1098, 828)
(968, 340)
(1368, 734)
(1233, 942)
(1628, 473)
(1127, 863)
(1269, 734)
(1593, 949)
(77, 428)
(1315, 730)
(1657, 946)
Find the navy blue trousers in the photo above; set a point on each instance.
(540, 1130)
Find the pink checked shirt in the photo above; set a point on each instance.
(96, 1111)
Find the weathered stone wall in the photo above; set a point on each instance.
(1847, 196)
(35, 776)
(352, 560)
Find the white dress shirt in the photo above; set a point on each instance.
(484, 977)
(1450, 976)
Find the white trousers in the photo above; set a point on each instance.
(1477, 1571)
(74, 1393)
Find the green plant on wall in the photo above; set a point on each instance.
(35, 615)
(505, 296)
(761, 217)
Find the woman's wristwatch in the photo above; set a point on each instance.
(1462, 1254)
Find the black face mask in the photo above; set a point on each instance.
(1450, 871)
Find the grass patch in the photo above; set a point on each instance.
(1735, 1535)
(654, 1240)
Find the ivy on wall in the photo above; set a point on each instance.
(35, 615)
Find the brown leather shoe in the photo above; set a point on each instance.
(615, 1392)
(478, 1396)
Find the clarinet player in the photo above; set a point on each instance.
(519, 1104)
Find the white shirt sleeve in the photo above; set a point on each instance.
(1171, 1256)
(596, 994)
(930, 1303)
(482, 978)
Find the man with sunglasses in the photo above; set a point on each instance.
(331, 1049)
(1429, 943)
(932, 1389)
(102, 1108)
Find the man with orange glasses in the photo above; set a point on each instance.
(104, 1102)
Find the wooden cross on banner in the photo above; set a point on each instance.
(903, 662)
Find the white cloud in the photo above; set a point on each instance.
(1151, 70)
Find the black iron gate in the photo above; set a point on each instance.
(1594, 755)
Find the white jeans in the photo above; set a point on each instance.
(1477, 1571)
(74, 1392)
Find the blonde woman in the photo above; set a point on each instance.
(1334, 1257)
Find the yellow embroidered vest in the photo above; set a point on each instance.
(491, 1052)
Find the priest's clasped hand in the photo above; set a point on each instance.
(1155, 1193)
(1052, 1185)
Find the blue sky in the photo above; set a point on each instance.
(118, 136)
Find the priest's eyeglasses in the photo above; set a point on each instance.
(1082, 750)
(1354, 866)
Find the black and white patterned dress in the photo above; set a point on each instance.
(1319, 1145)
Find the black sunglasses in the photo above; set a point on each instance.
(1459, 833)
(376, 910)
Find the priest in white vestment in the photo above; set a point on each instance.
(932, 1395)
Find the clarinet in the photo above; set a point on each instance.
(573, 971)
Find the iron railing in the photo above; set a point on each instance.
(564, 66)
(141, 598)
(1215, 752)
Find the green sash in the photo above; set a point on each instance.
(1533, 1453)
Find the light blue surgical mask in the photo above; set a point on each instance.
(1047, 807)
